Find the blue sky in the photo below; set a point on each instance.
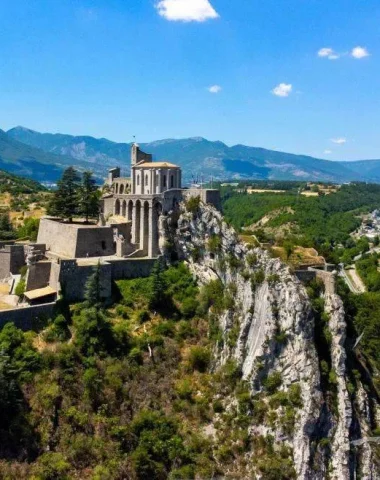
(118, 68)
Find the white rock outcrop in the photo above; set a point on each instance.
(275, 307)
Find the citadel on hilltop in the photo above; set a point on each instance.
(125, 243)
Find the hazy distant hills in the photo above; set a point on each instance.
(197, 156)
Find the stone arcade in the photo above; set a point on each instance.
(153, 189)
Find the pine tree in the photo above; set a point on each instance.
(5, 223)
(88, 196)
(158, 286)
(65, 201)
(93, 288)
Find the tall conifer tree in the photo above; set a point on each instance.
(88, 196)
(65, 201)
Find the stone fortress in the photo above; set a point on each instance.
(125, 243)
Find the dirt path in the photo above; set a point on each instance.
(356, 281)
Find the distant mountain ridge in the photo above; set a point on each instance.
(196, 156)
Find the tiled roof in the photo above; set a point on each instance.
(157, 165)
(39, 293)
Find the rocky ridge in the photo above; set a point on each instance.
(273, 323)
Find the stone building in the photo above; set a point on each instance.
(154, 189)
(125, 243)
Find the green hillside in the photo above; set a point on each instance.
(16, 185)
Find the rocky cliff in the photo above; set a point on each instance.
(270, 329)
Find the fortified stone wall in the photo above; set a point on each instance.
(94, 242)
(12, 258)
(73, 241)
(327, 278)
(17, 258)
(107, 206)
(131, 268)
(55, 271)
(58, 237)
(73, 279)
(38, 276)
(208, 196)
(28, 318)
(5, 263)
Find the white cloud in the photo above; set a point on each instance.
(328, 53)
(215, 89)
(359, 52)
(327, 152)
(339, 140)
(282, 90)
(186, 10)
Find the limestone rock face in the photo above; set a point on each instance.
(276, 326)
(341, 440)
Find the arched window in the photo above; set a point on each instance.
(116, 188)
(138, 179)
(171, 181)
(164, 181)
(121, 189)
(146, 179)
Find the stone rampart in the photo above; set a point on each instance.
(28, 318)
(58, 237)
(327, 278)
(131, 268)
(73, 279)
(12, 258)
(38, 276)
(94, 242)
(208, 196)
(75, 240)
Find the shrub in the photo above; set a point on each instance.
(278, 399)
(192, 204)
(273, 279)
(196, 254)
(217, 406)
(199, 359)
(189, 307)
(245, 402)
(165, 329)
(295, 396)
(58, 331)
(257, 278)
(234, 262)
(93, 332)
(184, 389)
(142, 316)
(281, 337)
(214, 244)
(212, 295)
(273, 382)
(20, 289)
(51, 466)
(251, 259)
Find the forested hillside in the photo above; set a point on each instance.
(125, 392)
(321, 222)
(15, 184)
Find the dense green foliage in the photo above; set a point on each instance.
(322, 222)
(29, 229)
(368, 268)
(75, 196)
(16, 185)
(126, 391)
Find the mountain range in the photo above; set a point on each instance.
(42, 156)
